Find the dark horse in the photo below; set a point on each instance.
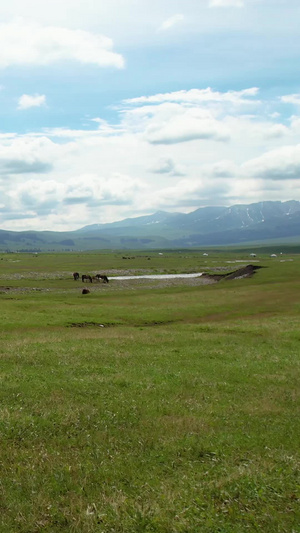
(86, 277)
(103, 277)
(76, 275)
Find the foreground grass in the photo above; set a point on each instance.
(181, 414)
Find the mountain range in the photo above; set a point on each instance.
(206, 226)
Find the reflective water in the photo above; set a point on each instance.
(243, 261)
(159, 276)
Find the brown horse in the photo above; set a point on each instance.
(103, 277)
(85, 277)
(76, 276)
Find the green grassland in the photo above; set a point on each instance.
(143, 408)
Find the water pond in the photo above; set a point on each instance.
(158, 276)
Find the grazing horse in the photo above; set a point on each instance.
(76, 276)
(86, 277)
(103, 277)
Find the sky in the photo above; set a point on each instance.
(112, 109)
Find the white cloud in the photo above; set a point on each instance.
(226, 3)
(182, 116)
(26, 155)
(171, 123)
(280, 164)
(221, 169)
(133, 23)
(291, 99)
(275, 115)
(217, 138)
(95, 190)
(200, 96)
(44, 198)
(177, 125)
(190, 193)
(26, 101)
(171, 21)
(23, 43)
(295, 124)
(276, 130)
(64, 178)
(167, 166)
(38, 197)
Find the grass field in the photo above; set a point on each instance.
(149, 408)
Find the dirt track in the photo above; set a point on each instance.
(243, 272)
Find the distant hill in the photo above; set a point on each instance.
(206, 226)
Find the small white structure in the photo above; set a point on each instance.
(252, 255)
(205, 254)
(273, 255)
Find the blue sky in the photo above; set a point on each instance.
(118, 108)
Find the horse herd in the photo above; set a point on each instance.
(87, 277)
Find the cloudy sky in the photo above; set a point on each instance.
(119, 108)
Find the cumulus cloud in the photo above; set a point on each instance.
(191, 193)
(95, 190)
(291, 99)
(23, 43)
(221, 169)
(276, 131)
(171, 21)
(39, 197)
(26, 155)
(36, 100)
(176, 150)
(167, 166)
(176, 122)
(173, 124)
(280, 164)
(197, 114)
(85, 191)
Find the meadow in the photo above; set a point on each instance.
(149, 407)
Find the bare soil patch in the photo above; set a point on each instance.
(243, 272)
